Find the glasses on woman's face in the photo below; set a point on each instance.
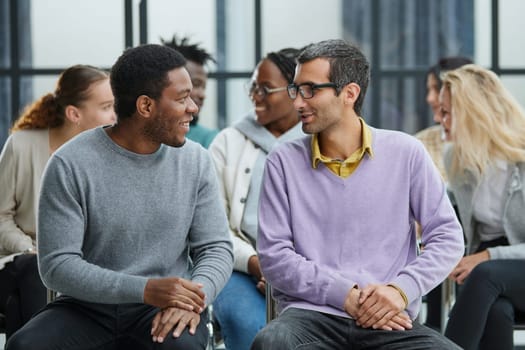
(261, 91)
(307, 90)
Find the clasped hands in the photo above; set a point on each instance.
(181, 302)
(377, 307)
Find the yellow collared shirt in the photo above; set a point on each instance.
(344, 168)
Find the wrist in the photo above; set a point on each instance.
(401, 292)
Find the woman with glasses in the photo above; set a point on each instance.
(486, 171)
(239, 153)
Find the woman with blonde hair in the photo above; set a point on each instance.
(486, 170)
(82, 100)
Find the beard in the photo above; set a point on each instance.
(195, 120)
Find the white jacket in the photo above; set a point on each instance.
(234, 156)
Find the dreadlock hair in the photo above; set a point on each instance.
(192, 52)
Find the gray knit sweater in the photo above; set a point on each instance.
(109, 219)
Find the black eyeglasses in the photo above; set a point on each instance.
(307, 90)
(261, 91)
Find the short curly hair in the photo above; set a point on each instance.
(142, 70)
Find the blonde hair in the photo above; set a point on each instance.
(487, 121)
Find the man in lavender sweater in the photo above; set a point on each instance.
(131, 229)
(337, 217)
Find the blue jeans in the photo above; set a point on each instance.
(240, 310)
(305, 329)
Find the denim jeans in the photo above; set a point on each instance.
(240, 310)
(305, 329)
(68, 323)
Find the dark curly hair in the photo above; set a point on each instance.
(284, 59)
(142, 70)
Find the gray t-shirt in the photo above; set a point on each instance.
(109, 219)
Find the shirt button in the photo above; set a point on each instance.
(243, 200)
(247, 170)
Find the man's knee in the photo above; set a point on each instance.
(272, 337)
(20, 341)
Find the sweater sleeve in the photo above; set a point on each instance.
(12, 238)
(442, 236)
(210, 243)
(61, 231)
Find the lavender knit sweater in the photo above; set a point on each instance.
(320, 234)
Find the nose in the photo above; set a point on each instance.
(299, 102)
(192, 107)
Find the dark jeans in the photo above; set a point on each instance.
(22, 293)
(68, 323)
(305, 329)
(483, 315)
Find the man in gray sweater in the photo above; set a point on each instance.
(131, 230)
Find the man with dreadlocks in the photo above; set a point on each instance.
(239, 153)
(196, 60)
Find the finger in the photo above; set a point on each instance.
(365, 294)
(371, 315)
(155, 323)
(179, 328)
(190, 298)
(384, 320)
(194, 322)
(403, 321)
(166, 315)
(167, 327)
(194, 287)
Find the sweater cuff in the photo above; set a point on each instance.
(407, 285)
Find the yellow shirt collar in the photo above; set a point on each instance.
(366, 136)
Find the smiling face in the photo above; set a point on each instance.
(273, 110)
(98, 108)
(199, 78)
(324, 111)
(445, 100)
(172, 112)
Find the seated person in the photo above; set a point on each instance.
(82, 100)
(486, 170)
(337, 217)
(132, 232)
(434, 141)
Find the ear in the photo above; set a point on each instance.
(351, 93)
(145, 106)
(73, 114)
